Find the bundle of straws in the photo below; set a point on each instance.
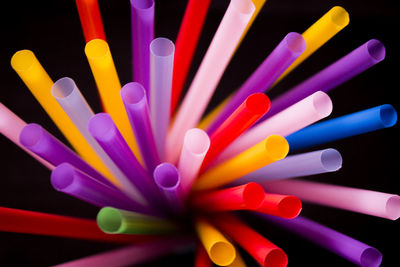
(166, 174)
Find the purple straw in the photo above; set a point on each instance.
(142, 21)
(287, 51)
(36, 139)
(343, 245)
(332, 76)
(136, 105)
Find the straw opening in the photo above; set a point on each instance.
(276, 147)
(295, 42)
(276, 258)
(101, 126)
(133, 93)
(166, 176)
(253, 195)
(162, 47)
(388, 115)
(376, 49)
(393, 207)
(322, 104)
(197, 141)
(97, 48)
(23, 60)
(63, 87)
(31, 135)
(62, 176)
(243, 6)
(142, 4)
(290, 207)
(331, 159)
(339, 16)
(222, 253)
(371, 257)
(109, 220)
(258, 103)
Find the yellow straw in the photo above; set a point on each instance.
(218, 248)
(29, 69)
(271, 149)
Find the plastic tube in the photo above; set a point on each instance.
(219, 249)
(11, 126)
(90, 17)
(195, 146)
(201, 258)
(265, 75)
(304, 164)
(273, 148)
(258, 4)
(246, 114)
(290, 120)
(134, 97)
(353, 199)
(161, 64)
(29, 69)
(209, 73)
(186, 42)
(353, 250)
(283, 206)
(243, 197)
(260, 248)
(357, 123)
(142, 26)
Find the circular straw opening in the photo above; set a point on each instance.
(31, 135)
(23, 60)
(197, 141)
(393, 207)
(290, 207)
(96, 48)
(331, 159)
(253, 195)
(166, 176)
(142, 4)
(162, 47)
(243, 6)
(339, 16)
(376, 49)
(371, 257)
(222, 253)
(133, 93)
(258, 103)
(63, 87)
(109, 220)
(388, 115)
(276, 147)
(101, 126)
(276, 258)
(62, 176)
(295, 42)
(322, 104)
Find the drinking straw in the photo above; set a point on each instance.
(195, 146)
(353, 250)
(31, 222)
(117, 221)
(134, 98)
(65, 178)
(258, 4)
(161, 64)
(353, 199)
(219, 249)
(356, 123)
(166, 177)
(304, 164)
(201, 258)
(106, 133)
(283, 206)
(245, 115)
(263, 77)
(260, 248)
(29, 69)
(11, 126)
(290, 120)
(243, 197)
(273, 148)
(90, 17)
(142, 26)
(102, 65)
(186, 42)
(209, 73)
(347, 67)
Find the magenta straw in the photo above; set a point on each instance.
(65, 178)
(136, 105)
(142, 23)
(352, 250)
(106, 133)
(287, 51)
(332, 76)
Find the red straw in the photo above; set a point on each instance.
(251, 110)
(185, 45)
(248, 196)
(261, 249)
(30, 222)
(201, 257)
(89, 14)
(284, 206)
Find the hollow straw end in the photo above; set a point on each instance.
(62, 176)
(102, 127)
(276, 147)
(277, 257)
(31, 135)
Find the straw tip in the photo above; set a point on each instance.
(371, 257)
(102, 127)
(31, 135)
(109, 220)
(258, 103)
(166, 176)
(142, 4)
(97, 48)
(63, 87)
(23, 60)
(253, 195)
(62, 176)
(393, 207)
(222, 253)
(133, 93)
(295, 42)
(196, 141)
(339, 16)
(290, 207)
(276, 258)
(162, 47)
(322, 104)
(276, 147)
(388, 115)
(331, 159)
(376, 49)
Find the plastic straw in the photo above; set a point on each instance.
(186, 42)
(353, 199)
(265, 75)
(271, 149)
(243, 197)
(201, 258)
(304, 164)
(117, 221)
(136, 105)
(357, 123)
(353, 250)
(31, 222)
(102, 65)
(90, 17)
(195, 146)
(65, 178)
(142, 26)
(260, 248)
(245, 115)
(258, 4)
(161, 64)
(29, 69)
(218, 248)
(209, 73)
(166, 177)
(349, 66)
(11, 126)
(283, 206)
(290, 120)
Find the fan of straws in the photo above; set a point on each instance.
(166, 174)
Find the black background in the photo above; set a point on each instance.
(51, 29)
